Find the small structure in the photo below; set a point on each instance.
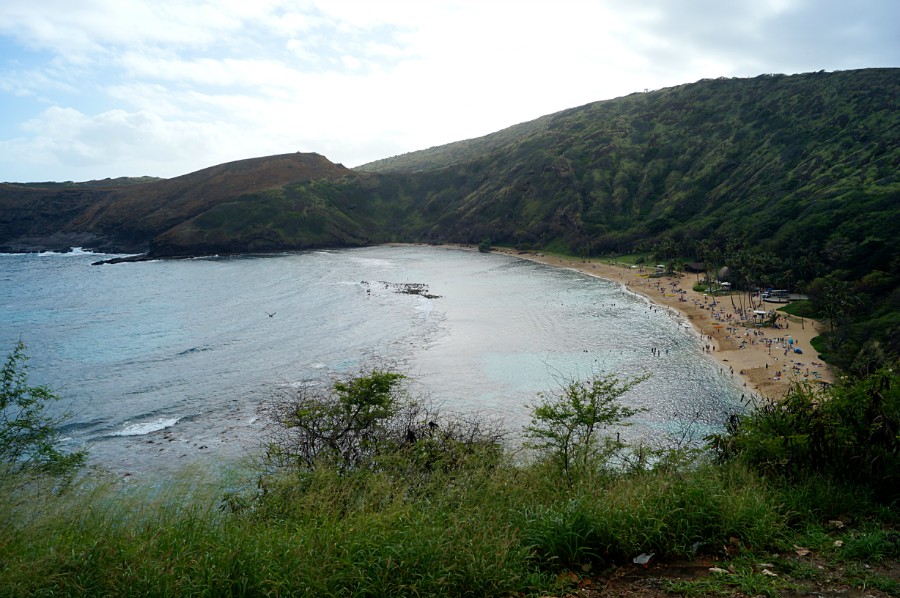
(695, 267)
(776, 296)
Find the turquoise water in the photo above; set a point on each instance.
(168, 362)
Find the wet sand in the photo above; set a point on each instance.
(761, 358)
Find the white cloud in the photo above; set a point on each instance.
(115, 141)
(85, 26)
(168, 86)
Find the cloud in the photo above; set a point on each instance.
(767, 36)
(168, 86)
(91, 25)
(116, 141)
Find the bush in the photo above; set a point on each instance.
(850, 432)
(368, 421)
(344, 426)
(567, 426)
(29, 433)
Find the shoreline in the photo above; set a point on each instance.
(761, 359)
(753, 356)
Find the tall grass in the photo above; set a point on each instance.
(438, 516)
(486, 531)
(668, 515)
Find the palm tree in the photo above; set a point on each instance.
(665, 253)
(702, 252)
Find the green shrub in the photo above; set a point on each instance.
(368, 421)
(567, 427)
(850, 432)
(343, 426)
(29, 432)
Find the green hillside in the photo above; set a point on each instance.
(776, 160)
(792, 181)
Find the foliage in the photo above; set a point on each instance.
(426, 518)
(850, 432)
(567, 426)
(344, 425)
(368, 421)
(29, 431)
(834, 300)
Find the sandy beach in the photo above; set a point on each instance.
(761, 358)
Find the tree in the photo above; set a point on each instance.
(368, 421)
(29, 432)
(702, 254)
(834, 299)
(568, 425)
(665, 254)
(343, 426)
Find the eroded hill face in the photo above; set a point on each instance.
(128, 218)
(805, 166)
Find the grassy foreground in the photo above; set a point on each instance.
(486, 529)
(367, 492)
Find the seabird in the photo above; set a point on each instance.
(271, 315)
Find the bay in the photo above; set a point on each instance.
(165, 363)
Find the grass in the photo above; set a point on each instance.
(443, 516)
(801, 309)
(486, 531)
(748, 575)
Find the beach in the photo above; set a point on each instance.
(761, 358)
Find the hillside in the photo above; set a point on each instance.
(435, 158)
(135, 216)
(792, 180)
(772, 159)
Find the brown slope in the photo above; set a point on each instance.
(141, 212)
(126, 218)
(34, 218)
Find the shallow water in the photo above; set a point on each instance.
(167, 362)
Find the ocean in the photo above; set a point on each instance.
(167, 363)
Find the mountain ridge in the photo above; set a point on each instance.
(691, 161)
(126, 218)
(793, 180)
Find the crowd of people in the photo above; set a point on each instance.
(752, 341)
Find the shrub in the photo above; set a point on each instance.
(29, 432)
(850, 432)
(368, 421)
(567, 426)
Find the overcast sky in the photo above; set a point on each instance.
(107, 88)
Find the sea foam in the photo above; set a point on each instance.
(139, 429)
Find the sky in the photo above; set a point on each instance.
(91, 89)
